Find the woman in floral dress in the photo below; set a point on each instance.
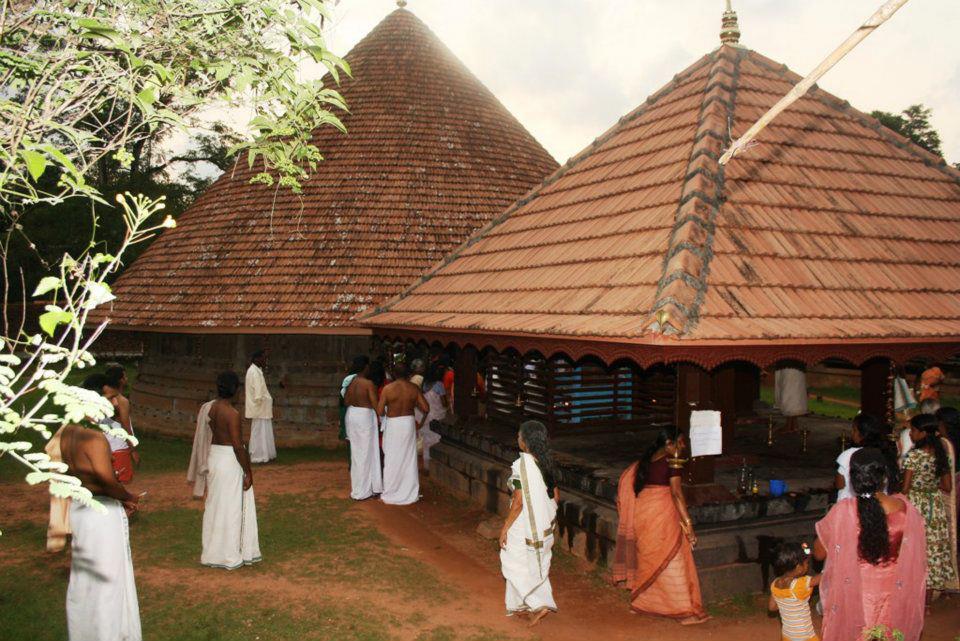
(927, 474)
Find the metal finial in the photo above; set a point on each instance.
(401, 3)
(730, 29)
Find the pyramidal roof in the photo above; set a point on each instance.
(430, 156)
(830, 227)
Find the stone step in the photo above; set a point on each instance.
(724, 581)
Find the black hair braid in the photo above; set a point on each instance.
(664, 435)
(868, 473)
(928, 424)
(876, 434)
(534, 434)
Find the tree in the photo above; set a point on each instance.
(48, 231)
(84, 82)
(913, 123)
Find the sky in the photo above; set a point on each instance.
(568, 69)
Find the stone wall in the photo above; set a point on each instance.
(177, 374)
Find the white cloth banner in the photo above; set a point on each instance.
(706, 433)
(102, 595)
(230, 535)
(365, 475)
(401, 484)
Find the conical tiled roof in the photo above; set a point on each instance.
(430, 156)
(830, 227)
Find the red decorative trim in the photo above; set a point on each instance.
(707, 354)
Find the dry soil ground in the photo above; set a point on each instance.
(336, 569)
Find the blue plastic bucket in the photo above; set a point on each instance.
(778, 488)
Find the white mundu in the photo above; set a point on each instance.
(258, 406)
(102, 595)
(230, 537)
(365, 474)
(525, 561)
(401, 485)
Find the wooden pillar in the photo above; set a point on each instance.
(694, 392)
(748, 387)
(875, 387)
(464, 383)
(725, 400)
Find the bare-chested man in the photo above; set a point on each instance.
(401, 485)
(360, 398)
(125, 455)
(230, 537)
(102, 595)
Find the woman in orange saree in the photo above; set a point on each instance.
(655, 538)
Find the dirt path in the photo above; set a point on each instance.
(439, 532)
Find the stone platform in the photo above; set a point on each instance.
(473, 460)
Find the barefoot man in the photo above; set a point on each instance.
(361, 423)
(102, 594)
(401, 485)
(259, 409)
(230, 537)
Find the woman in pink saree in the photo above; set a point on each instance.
(655, 538)
(876, 565)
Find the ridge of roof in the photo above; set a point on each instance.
(571, 162)
(686, 265)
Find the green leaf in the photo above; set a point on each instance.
(36, 163)
(147, 96)
(47, 284)
(50, 320)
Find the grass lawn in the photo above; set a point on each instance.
(824, 407)
(322, 557)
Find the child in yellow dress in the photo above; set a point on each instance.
(790, 592)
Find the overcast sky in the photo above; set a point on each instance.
(568, 69)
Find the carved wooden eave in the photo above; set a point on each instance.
(657, 349)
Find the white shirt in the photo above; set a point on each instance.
(259, 403)
(843, 469)
(906, 444)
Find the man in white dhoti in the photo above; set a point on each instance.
(230, 537)
(259, 409)
(361, 425)
(526, 541)
(790, 392)
(102, 595)
(401, 485)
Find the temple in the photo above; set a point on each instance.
(429, 156)
(642, 280)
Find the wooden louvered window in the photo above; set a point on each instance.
(563, 394)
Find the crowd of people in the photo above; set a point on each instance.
(888, 544)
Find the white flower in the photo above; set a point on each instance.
(168, 222)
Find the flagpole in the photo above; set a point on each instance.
(878, 18)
